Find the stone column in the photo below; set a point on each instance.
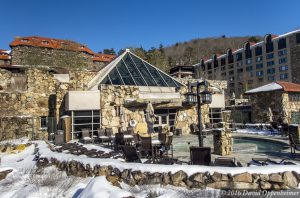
(222, 142)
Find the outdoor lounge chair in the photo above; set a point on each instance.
(227, 162)
(169, 146)
(85, 138)
(294, 146)
(200, 156)
(102, 137)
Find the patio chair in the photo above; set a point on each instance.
(129, 131)
(130, 154)
(146, 146)
(227, 162)
(200, 156)
(294, 146)
(85, 138)
(136, 140)
(119, 140)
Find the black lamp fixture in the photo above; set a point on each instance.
(204, 97)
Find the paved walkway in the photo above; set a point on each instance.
(245, 147)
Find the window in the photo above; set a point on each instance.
(118, 111)
(270, 63)
(239, 56)
(271, 70)
(240, 70)
(248, 52)
(249, 68)
(209, 65)
(293, 97)
(230, 66)
(231, 72)
(295, 117)
(239, 64)
(282, 60)
(229, 56)
(44, 122)
(298, 37)
(259, 73)
(215, 115)
(283, 68)
(269, 56)
(282, 52)
(259, 59)
(223, 61)
(284, 76)
(223, 68)
(258, 51)
(215, 60)
(271, 78)
(269, 43)
(259, 66)
(250, 74)
(248, 61)
(281, 43)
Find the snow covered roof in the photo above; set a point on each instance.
(129, 69)
(276, 86)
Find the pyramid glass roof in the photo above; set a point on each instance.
(129, 69)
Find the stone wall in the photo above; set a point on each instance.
(243, 181)
(43, 96)
(28, 55)
(222, 142)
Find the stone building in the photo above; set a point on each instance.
(5, 57)
(276, 101)
(38, 100)
(36, 50)
(182, 71)
(31, 98)
(256, 64)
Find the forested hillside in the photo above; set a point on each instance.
(190, 52)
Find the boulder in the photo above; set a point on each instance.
(264, 177)
(290, 180)
(217, 177)
(224, 185)
(265, 185)
(275, 177)
(245, 186)
(179, 178)
(3, 174)
(243, 177)
(197, 177)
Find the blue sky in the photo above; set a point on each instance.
(119, 24)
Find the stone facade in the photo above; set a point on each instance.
(114, 98)
(279, 103)
(41, 95)
(29, 55)
(222, 142)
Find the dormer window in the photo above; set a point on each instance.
(45, 42)
(24, 40)
(269, 43)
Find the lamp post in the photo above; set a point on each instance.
(204, 97)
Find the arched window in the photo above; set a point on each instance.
(258, 51)
(215, 61)
(248, 52)
(229, 56)
(282, 43)
(269, 43)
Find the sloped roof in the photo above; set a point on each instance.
(37, 41)
(4, 54)
(129, 69)
(103, 57)
(276, 86)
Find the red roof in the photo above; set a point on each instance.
(288, 86)
(103, 57)
(4, 55)
(50, 43)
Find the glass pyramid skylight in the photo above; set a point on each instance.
(129, 69)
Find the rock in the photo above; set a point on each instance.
(3, 174)
(198, 177)
(276, 187)
(166, 179)
(264, 177)
(216, 176)
(265, 185)
(138, 176)
(114, 179)
(179, 178)
(275, 177)
(290, 180)
(243, 177)
(154, 178)
(255, 177)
